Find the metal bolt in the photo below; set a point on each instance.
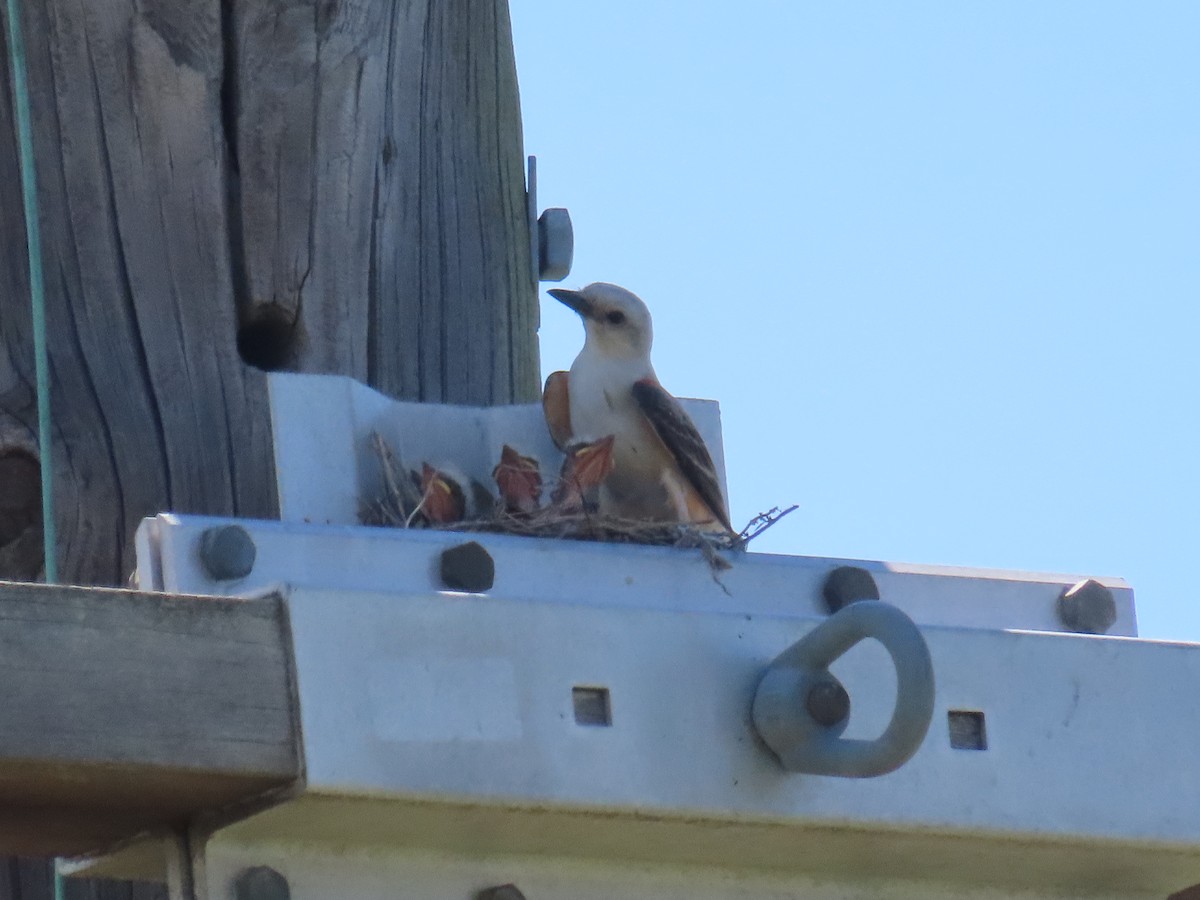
(846, 584)
(500, 892)
(261, 883)
(1188, 893)
(828, 703)
(556, 244)
(551, 237)
(227, 552)
(468, 567)
(1087, 607)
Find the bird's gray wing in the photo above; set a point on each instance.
(683, 441)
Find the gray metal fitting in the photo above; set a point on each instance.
(556, 244)
(501, 892)
(1087, 607)
(551, 235)
(846, 585)
(808, 740)
(227, 552)
(261, 883)
(468, 567)
(828, 703)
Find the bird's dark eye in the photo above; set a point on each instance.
(615, 317)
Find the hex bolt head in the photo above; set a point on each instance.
(468, 567)
(846, 584)
(227, 552)
(556, 244)
(1087, 607)
(261, 883)
(828, 703)
(500, 892)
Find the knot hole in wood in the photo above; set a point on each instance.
(268, 338)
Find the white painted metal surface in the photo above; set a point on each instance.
(443, 724)
(584, 572)
(441, 739)
(325, 466)
(467, 699)
(444, 752)
(328, 870)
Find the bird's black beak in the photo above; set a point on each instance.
(574, 300)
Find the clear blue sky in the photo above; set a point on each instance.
(940, 263)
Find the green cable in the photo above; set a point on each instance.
(37, 291)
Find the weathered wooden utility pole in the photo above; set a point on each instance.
(231, 186)
(328, 186)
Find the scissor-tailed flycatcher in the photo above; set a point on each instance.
(661, 469)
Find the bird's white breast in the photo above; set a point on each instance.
(602, 403)
(601, 392)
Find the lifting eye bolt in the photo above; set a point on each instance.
(800, 710)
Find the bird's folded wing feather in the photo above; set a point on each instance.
(556, 404)
(678, 433)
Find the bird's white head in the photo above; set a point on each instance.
(616, 321)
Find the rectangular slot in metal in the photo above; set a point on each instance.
(592, 706)
(967, 730)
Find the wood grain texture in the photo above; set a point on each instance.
(126, 711)
(152, 407)
(380, 192)
(29, 878)
(351, 168)
(22, 879)
(451, 177)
